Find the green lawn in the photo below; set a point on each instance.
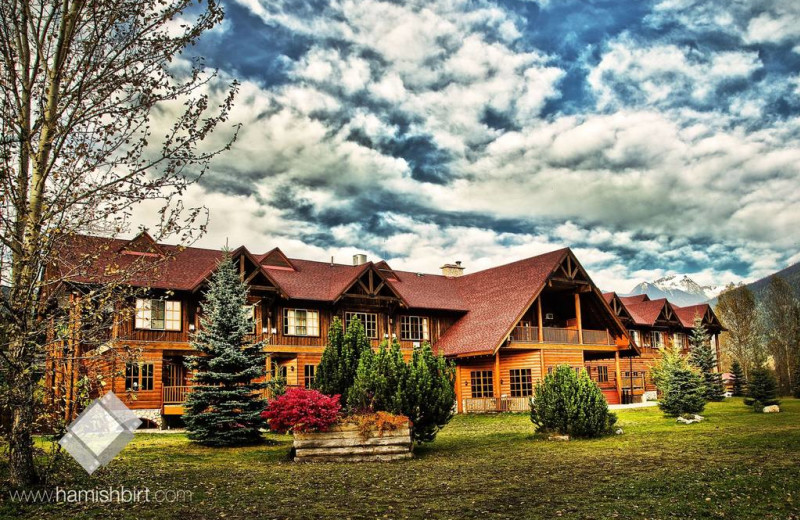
(736, 464)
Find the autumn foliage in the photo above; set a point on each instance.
(302, 410)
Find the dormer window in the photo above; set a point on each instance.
(158, 314)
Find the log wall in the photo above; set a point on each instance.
(345, 444)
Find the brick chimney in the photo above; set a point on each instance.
(453, 270)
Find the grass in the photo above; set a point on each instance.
(736, 464)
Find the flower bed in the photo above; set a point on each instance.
(321, 435)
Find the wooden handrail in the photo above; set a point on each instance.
(527, 334)
(174, 394)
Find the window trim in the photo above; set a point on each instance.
(484, 386)
(519, 380)
(424, 328)
(168, 316)
(348, 315)
(285, 324)
(307, 378)
(145, 371)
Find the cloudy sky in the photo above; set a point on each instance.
(652, 137)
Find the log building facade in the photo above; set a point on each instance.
(505, 327)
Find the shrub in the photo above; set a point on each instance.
(762, 389)
(571, 404)
(422, 390)
(380, 422)
(301, 410)
(685, 393)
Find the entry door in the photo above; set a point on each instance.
(174, 374)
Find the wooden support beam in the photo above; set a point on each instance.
(618, 375)
(578, 317)
(541, 365)
(459, 390)
(497, 375)
(539, 318)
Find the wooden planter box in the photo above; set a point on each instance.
(344, 443)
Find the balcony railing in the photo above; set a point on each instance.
(496, 404)
(525, 334)
(174, 394)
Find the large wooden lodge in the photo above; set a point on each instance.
(504, 327)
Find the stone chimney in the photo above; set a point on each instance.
(359, 259)
(453, 270)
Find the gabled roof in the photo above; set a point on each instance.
(142, 244)
(275, 259)
(703, 310)
(650, 311)
(496, 299)
(636, 298)
(615, 303)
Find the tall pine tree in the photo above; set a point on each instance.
(737, 379)
(224, 406)
(701, 356)
(337, 368)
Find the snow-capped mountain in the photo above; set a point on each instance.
(679, 289)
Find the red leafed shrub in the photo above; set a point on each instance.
(301, 410)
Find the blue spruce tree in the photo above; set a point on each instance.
(224, 406)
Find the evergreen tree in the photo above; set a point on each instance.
(329, 378)
(737, 379)
(429, 394)
(571, 404)
(685, 394)
(762, 389)
(422, 390)
(702, 357)
(337, 368)
(224, 406)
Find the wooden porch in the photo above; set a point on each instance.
(561, 336)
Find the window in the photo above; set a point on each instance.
(679, 340)
(250, 311)
(636, 337)
(521, 382)
(300, 322)
(658, 339)
(309, 374)
(158, 314)
(413, 328)
(602, 374)
(482, 383)
(139, 376)
(369, 320)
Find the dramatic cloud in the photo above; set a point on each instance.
(653, 138)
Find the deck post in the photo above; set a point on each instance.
(618, 375)
(539, 318)
(578, 317)
(497, 378)
(459, 403)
